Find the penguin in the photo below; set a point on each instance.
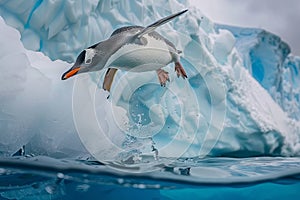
(130, 48)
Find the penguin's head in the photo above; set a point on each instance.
(84, 63)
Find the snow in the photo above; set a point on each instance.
(240, 98)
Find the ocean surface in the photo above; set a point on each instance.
(41, 177)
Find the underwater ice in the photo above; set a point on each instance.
(241, 97)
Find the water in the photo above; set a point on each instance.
(41, 177)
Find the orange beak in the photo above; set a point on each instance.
(70, 73)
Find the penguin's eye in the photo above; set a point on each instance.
(88, 61)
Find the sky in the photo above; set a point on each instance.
(281, 17)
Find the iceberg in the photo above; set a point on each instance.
(241, 97)
(28, 86)
(270, 62)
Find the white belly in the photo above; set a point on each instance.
(139, 58)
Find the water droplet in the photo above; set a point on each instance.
(60, 175)
(50, 189)
(120, 180)
(2, 171)
(140, 186)
(83, 187)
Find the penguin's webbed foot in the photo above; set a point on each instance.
(163, 77)
(180, 71)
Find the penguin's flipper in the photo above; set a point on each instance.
(108, 79)
(158, 23)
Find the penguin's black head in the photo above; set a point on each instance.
(83, 63)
